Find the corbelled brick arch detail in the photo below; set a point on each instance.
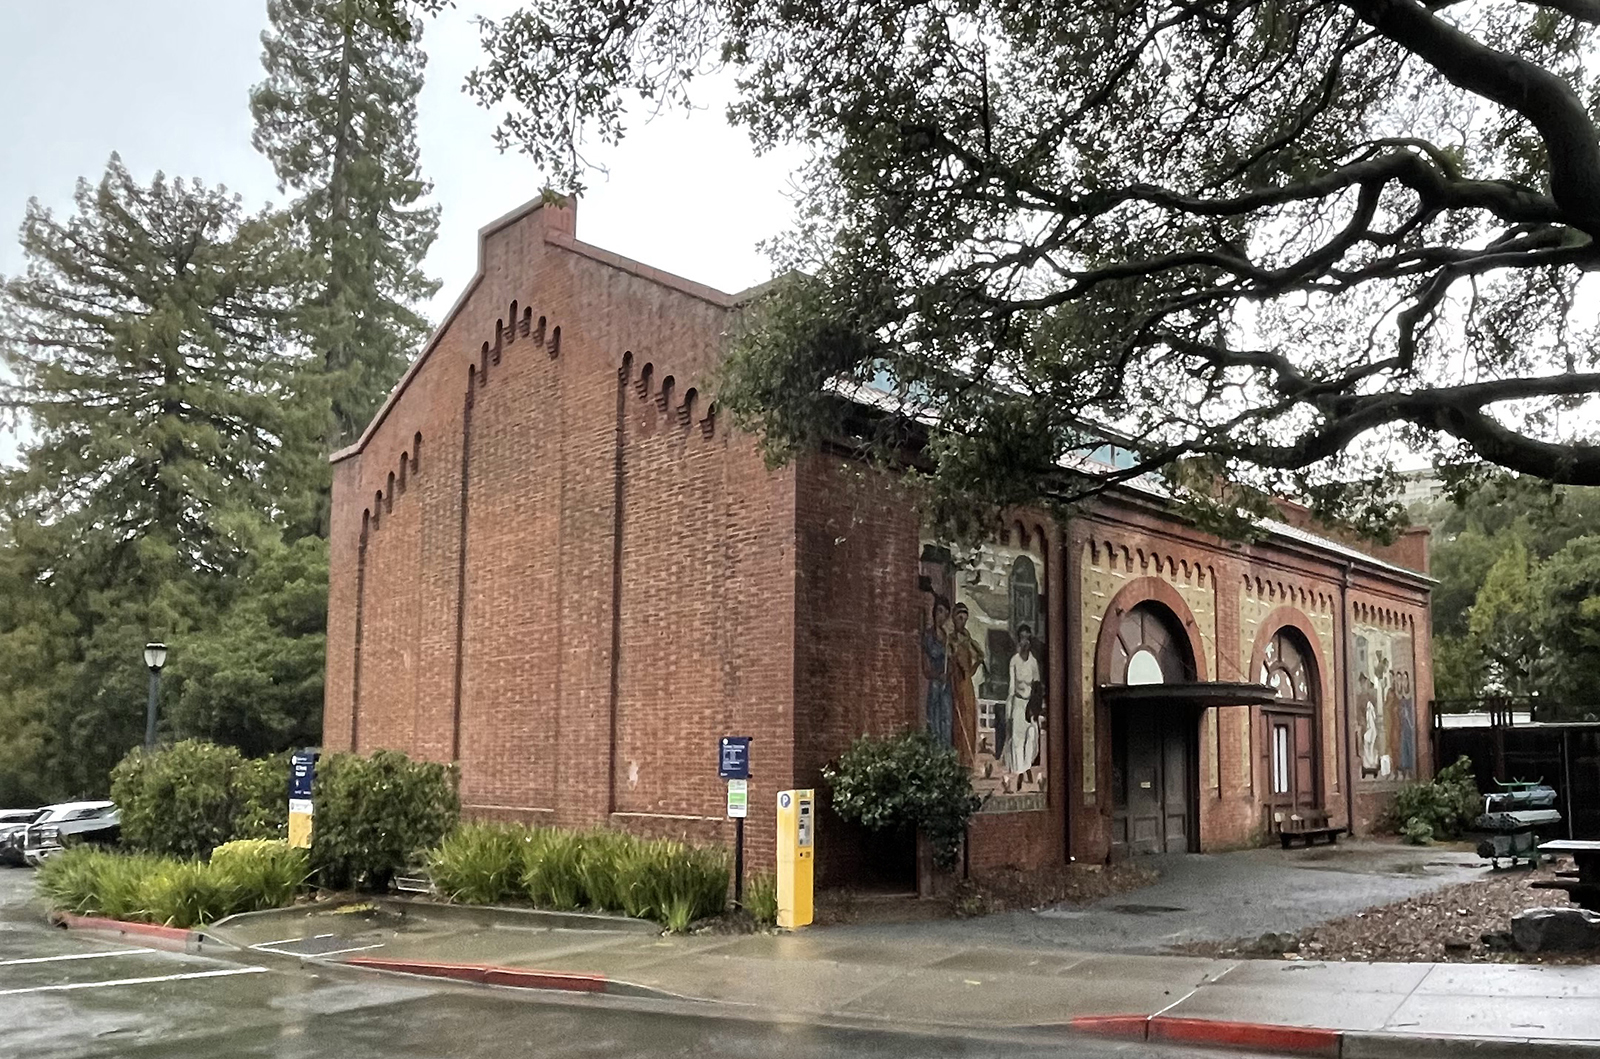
(1147, 590)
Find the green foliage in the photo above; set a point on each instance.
(377, 814)
(1568, 626)
(1027, 223)
(599, 870)
(761, 897)
(145, 342)
(565, 871)
(169, 890)
(687, 883)
(905, 782)
(1417, 832)
(178, 800)
(262, 873)
(480, 864)
(1445, 807)
(186, 893)
(1501, 623)
(336, 116)
(261, 798)
(189, 797)
(552, 874)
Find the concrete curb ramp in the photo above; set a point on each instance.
(1333, 1044)
(512, 977)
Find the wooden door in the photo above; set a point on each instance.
(1153, 781)
(1291, 762)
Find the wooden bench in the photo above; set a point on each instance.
(1307, 827)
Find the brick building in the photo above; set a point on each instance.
(554, 563)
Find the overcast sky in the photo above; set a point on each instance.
(166, 83)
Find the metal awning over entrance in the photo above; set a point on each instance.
(1194, 694)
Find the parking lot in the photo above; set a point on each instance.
(68, 995)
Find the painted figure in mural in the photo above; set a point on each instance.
(936, 668)
(966, 660)
(1022, 732)
(1408, 724)
(1388, 706)
(1367, 710)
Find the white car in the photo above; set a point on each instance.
(69, 822)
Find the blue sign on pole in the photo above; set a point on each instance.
(733, 757)
(302, 770)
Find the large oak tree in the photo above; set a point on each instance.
(1270, 242)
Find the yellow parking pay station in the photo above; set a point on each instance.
(796, 832)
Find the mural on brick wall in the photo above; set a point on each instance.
(983, 668)
(1385, 703)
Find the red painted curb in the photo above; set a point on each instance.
(1299, 1040)
(488, 974)
(1135, 1026)
(1296, 1040)
(122, 926)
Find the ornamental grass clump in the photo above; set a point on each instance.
(264, 873)
(480, 864)
(688, 883)
(551, 870)
(599, 867)
(187, 893)
(761, 898)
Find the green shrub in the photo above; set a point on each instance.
(264, 873)
(177, 800)
(480, 864)
(261, 798)
(90, 881)
(761, 898)
(1446, 807)
(599, 867)
(242, 877)
(552, 870)
(187, 893)
(377, 814)
(688, 883)
(1417, 833)
(634, 888)
(905, 782)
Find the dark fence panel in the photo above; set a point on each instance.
(1566, 756)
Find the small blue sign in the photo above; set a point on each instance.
(733, 757)
(302, 771)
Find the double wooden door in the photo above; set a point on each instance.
(1154, 776)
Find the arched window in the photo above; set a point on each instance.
(1150, 648)
(416, 453)
(1287, 670)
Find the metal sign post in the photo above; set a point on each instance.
(733, 765)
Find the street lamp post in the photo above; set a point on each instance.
(155, 656)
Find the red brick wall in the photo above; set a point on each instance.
(706, 577)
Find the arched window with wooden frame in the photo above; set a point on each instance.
(1150, 648)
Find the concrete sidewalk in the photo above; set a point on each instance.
(815, 976)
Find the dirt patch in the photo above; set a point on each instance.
(1444, 925)
(1003, 890)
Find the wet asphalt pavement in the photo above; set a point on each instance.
(70, 995)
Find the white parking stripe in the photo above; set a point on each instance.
(75, 956)
(309, 955)
(63, 987)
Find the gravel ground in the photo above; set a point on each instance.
(1447, 924)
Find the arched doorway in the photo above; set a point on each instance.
(1289, 755)
(1154, 750)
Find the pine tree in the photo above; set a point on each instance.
(336, 116)
(145, 346)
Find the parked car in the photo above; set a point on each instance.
(13, 822)
(70, 823)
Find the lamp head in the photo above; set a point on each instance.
(155, 656)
